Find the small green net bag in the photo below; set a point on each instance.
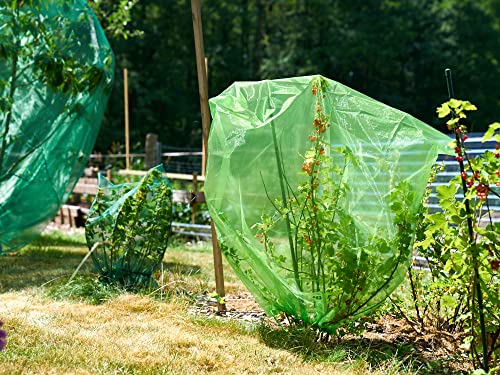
(56, 74)
(128, 228)
(314, 189)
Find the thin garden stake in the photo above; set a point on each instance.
(201, 67)
(477, 277)
(127, 134)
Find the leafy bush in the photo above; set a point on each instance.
(128, 229)
(462, 291)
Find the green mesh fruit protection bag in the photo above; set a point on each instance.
(128, 228)
(56, 72)
(314, 188)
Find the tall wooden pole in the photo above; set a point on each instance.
(204, 153)
(205, 122)
(127, 134)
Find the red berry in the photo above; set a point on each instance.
(465, 137)
(458, 150)
(459, 158)
(464, 176)
(495, 264)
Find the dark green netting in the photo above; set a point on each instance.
(128, 228)
(313, 188)
(56, 71)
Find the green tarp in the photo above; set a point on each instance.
(56, 71)
(313, 188)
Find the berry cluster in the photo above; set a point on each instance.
(494, 261)
(482, 191)
(308, 166)
(320, 124)
(261, 236)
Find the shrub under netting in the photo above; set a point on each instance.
(314, 190)
(128, 228)
(56, 72)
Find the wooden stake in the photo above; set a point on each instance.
(205, 122)
(127, 136)
(194, 203)
(204, 154)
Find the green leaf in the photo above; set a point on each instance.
(448, 301)
(468, 106)
(446, 192)
(490, 132)
(424, 244)
(456, 103)
(443, 111)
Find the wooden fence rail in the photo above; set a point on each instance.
(75, 215)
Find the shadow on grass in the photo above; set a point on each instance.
(375, 353)
(35, 266)
(181, 268)
(59, 239)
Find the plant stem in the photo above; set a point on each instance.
(287, 218)
(476, 277)
(415, 298)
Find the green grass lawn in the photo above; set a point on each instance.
(83, 327)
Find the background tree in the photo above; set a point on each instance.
(394, 51)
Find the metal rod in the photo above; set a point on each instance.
(458, 137)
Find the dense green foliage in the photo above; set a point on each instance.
(394, 51)
(461, 245)
(128, 229)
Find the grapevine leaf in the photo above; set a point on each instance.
(491, 132)
(444, 110)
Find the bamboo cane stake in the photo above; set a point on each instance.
(127, 135)
(204, 154)
(205, 122)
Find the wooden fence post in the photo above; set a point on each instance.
(205, 122)
(153, 151)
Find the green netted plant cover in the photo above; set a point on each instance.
(314, 188)
(56, 71)
(128, 228)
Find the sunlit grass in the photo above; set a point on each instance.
(84, 326)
